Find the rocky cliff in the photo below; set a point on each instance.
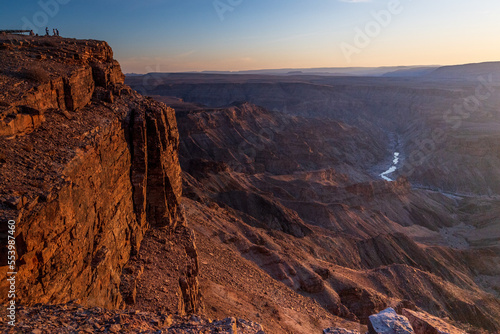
(87, 168)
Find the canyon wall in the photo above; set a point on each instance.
(439, 129)
(294, 196)
(87, 167)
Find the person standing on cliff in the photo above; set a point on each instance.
(57, 32)
(46, 31)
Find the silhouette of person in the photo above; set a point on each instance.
(54, 32)
(32, 33)
(57, 32)
(46, 31)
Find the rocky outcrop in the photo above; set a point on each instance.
(389, 322)
(74, 240)
(190, 301)
(163, 275)
(155, 170)
(361, 302)
(88, 166)
(58, 81)
(424, 323)
(68, 93)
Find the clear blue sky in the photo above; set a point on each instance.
(184, 35)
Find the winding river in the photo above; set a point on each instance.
(392, 169)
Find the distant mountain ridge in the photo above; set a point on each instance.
(465, 71)
(326, 71)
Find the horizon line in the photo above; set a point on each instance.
(317, 68)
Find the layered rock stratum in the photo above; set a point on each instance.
(89, 172)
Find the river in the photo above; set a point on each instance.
(391, 169)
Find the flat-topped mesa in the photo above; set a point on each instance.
(86, 167)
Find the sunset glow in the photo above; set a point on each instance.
(167, 35)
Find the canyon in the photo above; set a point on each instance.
(310, 150)
(164, 201)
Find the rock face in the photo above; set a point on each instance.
(87, 167)
(424, 323)
(389, 322)
(267, 213)
(361, 302)
(47, 85)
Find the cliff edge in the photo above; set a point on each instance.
(88, 170)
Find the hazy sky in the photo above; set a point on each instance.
(185, 35)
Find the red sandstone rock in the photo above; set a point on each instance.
(92, 165)
(424, 323)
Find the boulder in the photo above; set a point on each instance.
(389, 322)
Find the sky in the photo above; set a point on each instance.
(196, 35)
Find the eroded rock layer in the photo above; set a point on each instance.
(87, 166)
(294, 196)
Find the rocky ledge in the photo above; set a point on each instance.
(87, 167)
